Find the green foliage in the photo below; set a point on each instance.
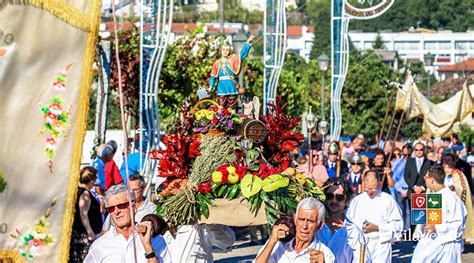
(3, 182)
(466, 134)
(378, 44)
(320, 14)
(365, 95)
(439, 14)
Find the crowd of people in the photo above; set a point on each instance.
(367, 207)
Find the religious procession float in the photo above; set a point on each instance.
(217, 158)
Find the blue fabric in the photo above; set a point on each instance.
(133, 166)
(99, 165)
(227, 86)
(398, 171)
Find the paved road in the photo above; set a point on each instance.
(402, 252)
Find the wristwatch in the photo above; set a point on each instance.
(150, 254)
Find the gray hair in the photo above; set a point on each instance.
(117, 189)
(138, 177)
(310, 203)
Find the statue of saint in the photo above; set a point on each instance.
(225, 70)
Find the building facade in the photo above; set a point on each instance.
(447, 47)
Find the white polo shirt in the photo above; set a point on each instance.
(286, 253)
(114, 248)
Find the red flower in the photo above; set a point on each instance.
(204, 188)
(223, 170)
(154, 154)
(225, 111)
(215, 121)
(224, 178)
(285, 165)
(165, 184)
(213, 108)
(241, 171)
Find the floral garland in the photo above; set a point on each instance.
(230, 166)
(34, 241)
(55, 118)
(216, 117)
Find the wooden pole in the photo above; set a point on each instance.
(387, 110)
(396, 137)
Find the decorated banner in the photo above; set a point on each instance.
(47, 50)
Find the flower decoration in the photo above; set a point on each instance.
(55, 117)
(216, 118)
(34, 242)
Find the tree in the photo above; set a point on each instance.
(378, 44)
(321, 20)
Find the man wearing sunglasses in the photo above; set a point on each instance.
(379, 217)
(442, 242)
(339, 233)
(121, 243)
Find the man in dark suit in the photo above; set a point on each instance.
(354, 177)
(333, 162)
(415, 169)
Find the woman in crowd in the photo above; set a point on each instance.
(87, 218)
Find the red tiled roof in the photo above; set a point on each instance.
(310, 29)
(227, 30)
(466, 65)
(182, 27)
(295, 31)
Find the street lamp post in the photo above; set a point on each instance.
(323, 64)
(428, 58)
(310, 124)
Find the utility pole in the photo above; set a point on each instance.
(221, 15)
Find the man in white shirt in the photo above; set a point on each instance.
(442, 242)
(121, 243)
(345, 240)
(304, 247)
(142, 206)
(379, 217)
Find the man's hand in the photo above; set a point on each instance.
(316, 256)
(370, 228)
(144, 231)
(251, 37)
(429, 228)
(404, 193)
(387, 171)
(418, 189)
(279, 231)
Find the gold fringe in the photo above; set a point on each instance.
(11, 255)
(64, 11)
(81, 121)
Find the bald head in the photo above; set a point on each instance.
(371, 183)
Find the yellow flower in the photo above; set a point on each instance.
(300, 178)
(204, 114)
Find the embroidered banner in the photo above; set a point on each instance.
(47, 50)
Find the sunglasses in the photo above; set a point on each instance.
(356, 164)
(418, 150)
(121, 206)
(338, 197)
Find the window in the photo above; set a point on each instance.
(463, 45)
(308, 45)
(407, 45)
(430, 45)
(368, 45)
(444, 45)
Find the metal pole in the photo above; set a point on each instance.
(322, 117)
(322, 98)
(221, 15)
(310, 154)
